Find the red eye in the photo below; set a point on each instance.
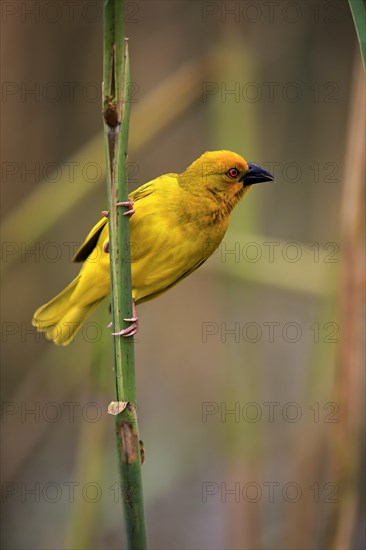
(233, 173)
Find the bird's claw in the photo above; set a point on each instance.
(128, 204)
(134, 326)
(132, 320)
(129, 331)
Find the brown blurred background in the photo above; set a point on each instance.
(249, 373)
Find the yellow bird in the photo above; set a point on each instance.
(179, 220)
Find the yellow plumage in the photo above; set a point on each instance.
(179, 221)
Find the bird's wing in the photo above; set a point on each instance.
(90, 242)
(143, 191)
(173, 282)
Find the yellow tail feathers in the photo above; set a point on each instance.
(60, 318)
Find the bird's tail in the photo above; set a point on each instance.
(61, 318)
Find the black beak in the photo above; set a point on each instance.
(256, 174)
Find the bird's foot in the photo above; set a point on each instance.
(128, 204)
(129, 331)
(134, 326)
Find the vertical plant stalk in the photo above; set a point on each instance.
(359, 18)
(116, 111)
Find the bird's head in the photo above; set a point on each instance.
(225, 175)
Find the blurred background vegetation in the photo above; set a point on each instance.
(249, 373)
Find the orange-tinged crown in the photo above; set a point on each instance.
(218, 162)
